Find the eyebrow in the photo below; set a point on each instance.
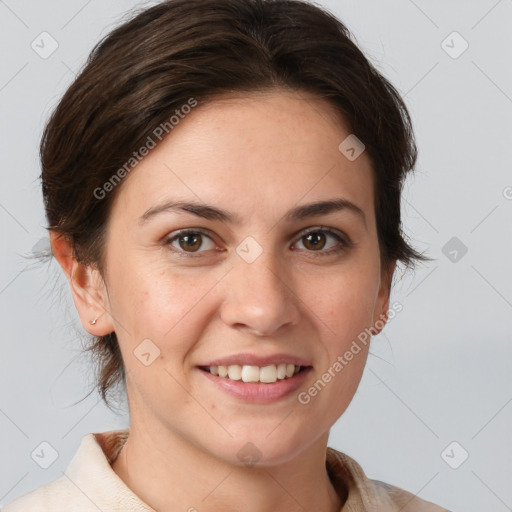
(213, 213)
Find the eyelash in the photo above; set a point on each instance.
(344, 242)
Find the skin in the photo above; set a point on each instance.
(258, 156)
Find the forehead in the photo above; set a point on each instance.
(255, 150)
(278, 122)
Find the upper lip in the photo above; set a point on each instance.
(258, 360)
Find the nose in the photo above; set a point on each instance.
(260, 298)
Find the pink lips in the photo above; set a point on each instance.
(255, 392)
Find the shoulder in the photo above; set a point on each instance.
(403, 500)
(89, 483)
(49, 498)
(371, 495)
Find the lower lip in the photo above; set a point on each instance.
(256, 392)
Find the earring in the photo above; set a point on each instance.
(93, 322)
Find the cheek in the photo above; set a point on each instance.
(343, 317)
(150, 300)
(344, 302)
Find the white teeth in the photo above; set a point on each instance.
(250, 373)
(268, 373)
(234, 372)
(247, 373)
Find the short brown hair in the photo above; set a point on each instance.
(154, 62)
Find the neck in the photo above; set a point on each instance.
(171, 475)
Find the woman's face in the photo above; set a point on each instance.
(255, 287)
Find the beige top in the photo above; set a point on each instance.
(90, 484)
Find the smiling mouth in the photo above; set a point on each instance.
(260, 374)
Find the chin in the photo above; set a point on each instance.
(258, 448)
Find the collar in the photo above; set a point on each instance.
(91, 472)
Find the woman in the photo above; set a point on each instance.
(222, 187)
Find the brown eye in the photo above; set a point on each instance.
(317, 239)
(190, 241)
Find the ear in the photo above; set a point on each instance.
(380, 315)
(87, 288)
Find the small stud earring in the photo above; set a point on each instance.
(93, 322)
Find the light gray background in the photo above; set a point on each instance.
(440, 371)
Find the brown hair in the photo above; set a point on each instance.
(138, 75)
